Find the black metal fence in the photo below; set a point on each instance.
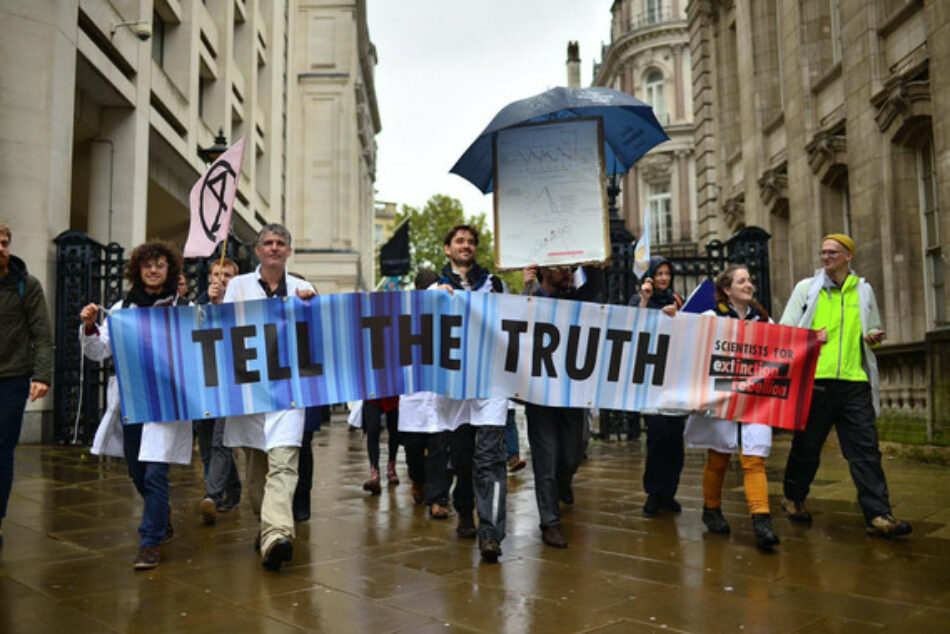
(89, 272)
(86, 272)
(749, 246)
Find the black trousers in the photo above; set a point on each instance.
(477, 458)
(556, 435)
(848, 406)
(372, 427)
(416, 444)
(661, 476)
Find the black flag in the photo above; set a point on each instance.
(394, 255)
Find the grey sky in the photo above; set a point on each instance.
(447, 66)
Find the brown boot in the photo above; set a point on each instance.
(391, 476)
(149, 557)
(438, 512)
(372, 485)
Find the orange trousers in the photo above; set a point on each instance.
(754, 482)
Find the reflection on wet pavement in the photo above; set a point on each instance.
(378, 564)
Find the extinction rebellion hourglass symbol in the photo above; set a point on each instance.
(214, 203)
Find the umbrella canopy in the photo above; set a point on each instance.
(630, 128)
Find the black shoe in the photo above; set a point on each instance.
(466, 526)
(490, 549)
(552, 536)
(670, 504)
(887, 526)
(714, 521)
(765, 538)
(652, 506)
(796, 510)
(281, 551)
(301, 515)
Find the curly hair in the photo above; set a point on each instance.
(152, 250)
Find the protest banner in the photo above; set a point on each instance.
(180, 363)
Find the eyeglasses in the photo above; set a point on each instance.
(830, 253)
(161, 266)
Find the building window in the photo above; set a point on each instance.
(659, 206)
(158, 39)
(933, 265)
(653, 11)
(654, 94)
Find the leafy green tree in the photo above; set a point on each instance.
(427, 229)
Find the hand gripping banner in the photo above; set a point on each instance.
(183, 363)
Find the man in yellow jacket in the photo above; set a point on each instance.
(842, 308)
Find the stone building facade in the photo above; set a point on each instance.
(818, 116)
(649, 57)
(107, 102)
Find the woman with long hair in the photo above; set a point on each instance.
(753, 442)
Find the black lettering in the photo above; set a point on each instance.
(514, 328)
(275, 371)
(209, 359)
(590, 356)
(657, 359)
(377, 344)
(423, 339)
(304, 364)
(243, 354)
(544, 352)
(448, 343)
(618, 339)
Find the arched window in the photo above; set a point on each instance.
(654, 95)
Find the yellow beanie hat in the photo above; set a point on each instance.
(841, 238)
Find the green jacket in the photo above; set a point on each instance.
(803, 307)
(26, 342)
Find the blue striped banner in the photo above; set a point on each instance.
(185, 363)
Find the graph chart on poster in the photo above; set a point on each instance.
(549, 195)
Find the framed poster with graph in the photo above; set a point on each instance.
(550, 194)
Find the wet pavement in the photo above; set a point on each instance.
(379, 564)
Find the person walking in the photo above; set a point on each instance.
(476, 426)
(152, 270)
(271, 441)
(664, 460)
(222, 482)
(26, 355)
(841, 306)
(555, 434)
(721, 438)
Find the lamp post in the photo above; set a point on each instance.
(619, 289)
(620, 271)
(211, 154)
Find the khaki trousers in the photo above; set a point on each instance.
(271, 480)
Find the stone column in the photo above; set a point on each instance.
(678, 83)
(682, 179)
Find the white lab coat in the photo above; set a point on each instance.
(161, 442)
(719, 434)
(274, 429)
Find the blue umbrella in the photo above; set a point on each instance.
(630, 128)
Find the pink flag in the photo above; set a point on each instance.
(212, 199)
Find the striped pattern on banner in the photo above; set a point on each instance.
(283, 353)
